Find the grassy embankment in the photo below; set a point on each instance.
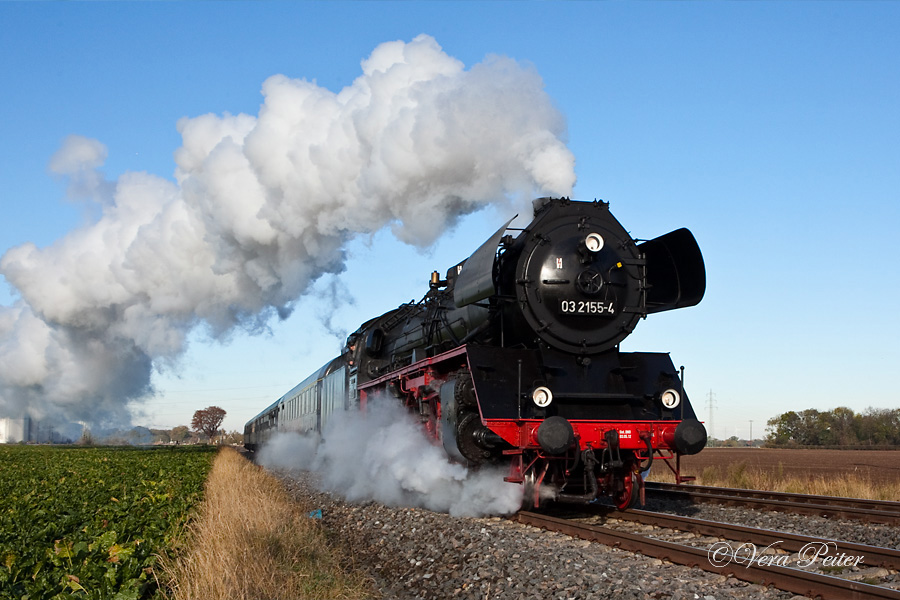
(251, 541)
(740, 475)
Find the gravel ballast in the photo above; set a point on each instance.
(416, 553)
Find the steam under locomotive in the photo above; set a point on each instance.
(513, 358)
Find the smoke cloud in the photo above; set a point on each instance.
(261, 207)
(383, 455)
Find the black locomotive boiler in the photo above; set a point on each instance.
(513, 358)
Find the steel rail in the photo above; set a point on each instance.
(881, 505)
(784, 578)
(874, 556)
(846, 511)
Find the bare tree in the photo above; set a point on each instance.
(207, 421)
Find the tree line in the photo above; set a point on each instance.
(838, 427)
(184, 435)
(205, 428)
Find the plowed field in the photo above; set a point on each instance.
(881, 466)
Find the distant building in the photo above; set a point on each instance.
(13, 431)
(26, 429)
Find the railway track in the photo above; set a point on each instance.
(874, 556)
(749, 558)
(870, 511)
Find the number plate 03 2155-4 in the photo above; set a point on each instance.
(596, 308)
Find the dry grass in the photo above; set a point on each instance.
(739, 475)
(250, 541)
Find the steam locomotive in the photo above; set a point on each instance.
(513, 358)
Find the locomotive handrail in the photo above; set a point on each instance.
(425, 362)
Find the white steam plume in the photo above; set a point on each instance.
(262, 207)
(383, 455)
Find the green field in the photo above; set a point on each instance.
(90, 522)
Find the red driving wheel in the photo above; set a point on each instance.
(627, 497)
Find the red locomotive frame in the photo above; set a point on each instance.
(418, 385)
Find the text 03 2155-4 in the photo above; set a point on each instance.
(586, 307)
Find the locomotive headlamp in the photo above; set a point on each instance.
(594, 242)
(670, 398)
(542, 396)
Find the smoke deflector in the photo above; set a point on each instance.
(476, 280)
(676, 274)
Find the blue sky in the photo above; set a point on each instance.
(771, 130)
